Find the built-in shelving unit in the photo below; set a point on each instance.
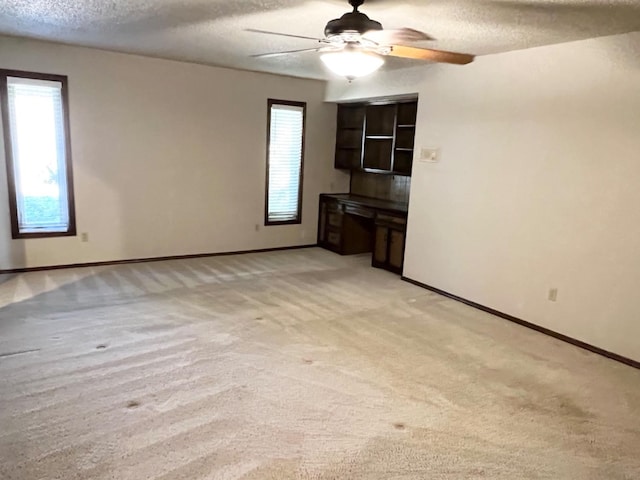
(349, 136)
(376, 138)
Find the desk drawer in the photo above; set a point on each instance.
(333, 206)
(333, 238)
(334, 219)
(392, 221)
(359, 211)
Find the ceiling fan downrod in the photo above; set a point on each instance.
(355, 4)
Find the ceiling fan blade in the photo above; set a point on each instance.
(400, 35)
(288, 52)
(254, 30)
(432, 55)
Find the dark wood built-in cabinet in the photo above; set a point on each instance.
(388, 249)
(341, 232)
(376, 138)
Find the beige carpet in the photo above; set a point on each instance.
(293, 365)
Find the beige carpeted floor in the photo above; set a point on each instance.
(293, 365)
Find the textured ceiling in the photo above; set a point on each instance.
(212, 31)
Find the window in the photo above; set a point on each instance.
(285, 160)
(37, 151)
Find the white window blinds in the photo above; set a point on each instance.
(37, 132)
(284, 162)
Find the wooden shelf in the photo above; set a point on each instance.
(379, 137)
(398, 149)
(377, 170)
(406, 126)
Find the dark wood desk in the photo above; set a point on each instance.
(350, 224)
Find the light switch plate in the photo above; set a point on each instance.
(429, 154)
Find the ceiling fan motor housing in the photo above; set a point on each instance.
(352, 22)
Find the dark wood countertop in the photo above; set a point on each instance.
(375, 203)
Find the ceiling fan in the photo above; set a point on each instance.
(354, 45)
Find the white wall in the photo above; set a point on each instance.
(538, 185)
(169, 157)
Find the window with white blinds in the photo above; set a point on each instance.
(38, 161)
(285, 162)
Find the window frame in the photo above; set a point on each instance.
(298, 220)
(9, 160)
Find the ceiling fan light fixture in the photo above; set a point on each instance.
(352, 63)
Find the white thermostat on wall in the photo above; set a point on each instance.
(429, 154)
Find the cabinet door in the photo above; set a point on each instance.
(396, 249)
(322, 223)
(380, 246)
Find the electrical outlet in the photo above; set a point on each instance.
(84, 237)
(553, 294)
